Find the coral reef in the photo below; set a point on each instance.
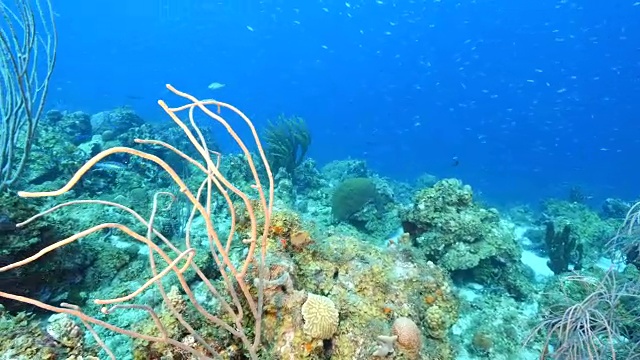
(459, 235)
(371, 288)
(23, 338)
(589, 234)
(359, 266)
(68, 264)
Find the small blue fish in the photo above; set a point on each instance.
(110, 166)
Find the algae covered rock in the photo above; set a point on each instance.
(451, 230)
(118, 121)
(36, 280)
(371, 288)
(23, 338)
(589, 231)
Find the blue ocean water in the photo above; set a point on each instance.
(532, 97)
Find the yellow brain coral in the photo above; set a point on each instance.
(320, 316)
(408, 333)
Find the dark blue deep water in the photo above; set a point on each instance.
(533, 97)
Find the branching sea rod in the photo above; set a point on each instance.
(241, 290)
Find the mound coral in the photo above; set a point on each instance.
(320, 317)
(409, 339)
(350, 197)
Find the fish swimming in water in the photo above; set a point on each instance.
(216, 86)
(110, 166)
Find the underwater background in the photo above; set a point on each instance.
(532, 96)
(338, 180)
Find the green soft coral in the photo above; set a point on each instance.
(287, 140)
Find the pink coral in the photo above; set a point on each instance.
(409, 339)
